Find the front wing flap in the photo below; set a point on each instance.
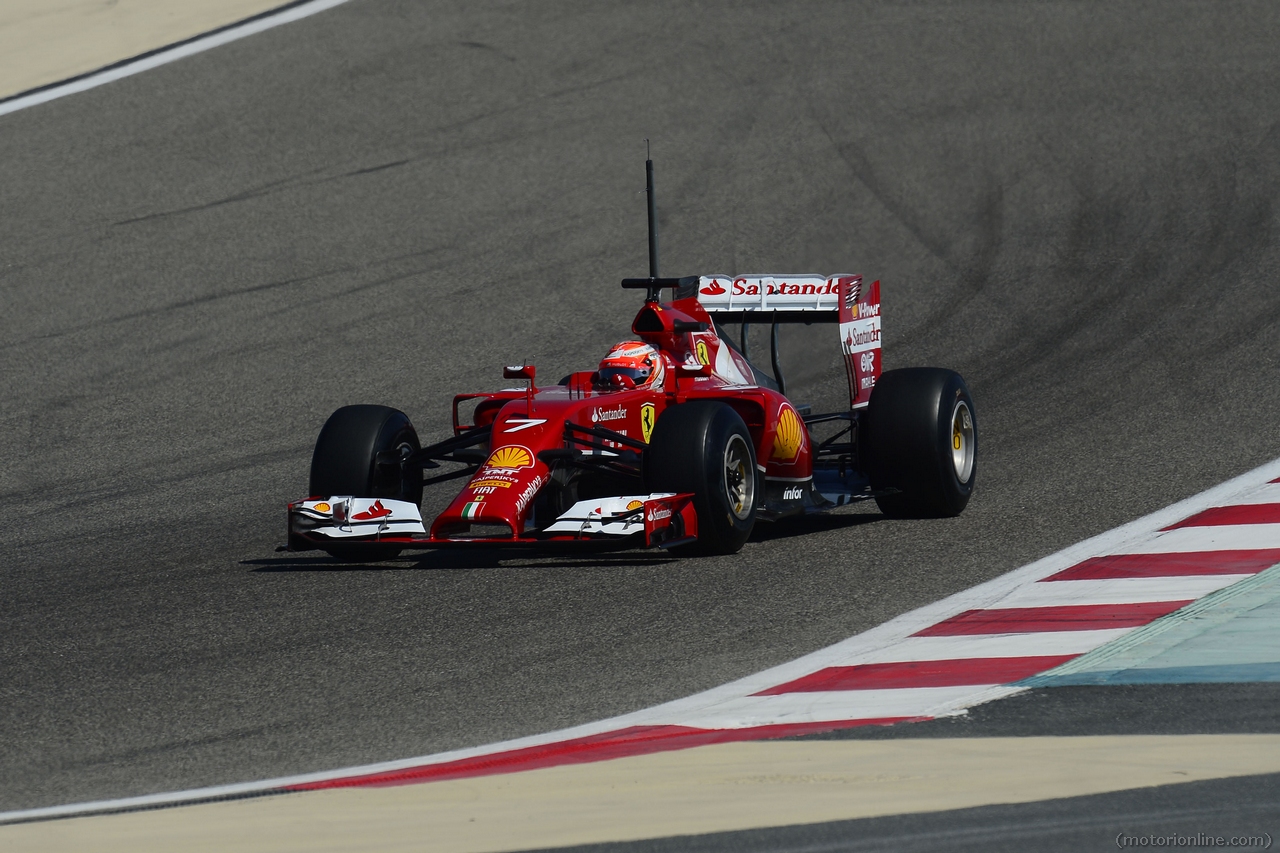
(350, 519)
(666, 519)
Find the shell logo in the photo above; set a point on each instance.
(510, 457)
(634, 505)
(786, 443)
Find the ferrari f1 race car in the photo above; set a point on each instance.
(676, 440)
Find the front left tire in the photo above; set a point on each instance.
(704, 447)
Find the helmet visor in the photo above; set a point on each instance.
(636, 375)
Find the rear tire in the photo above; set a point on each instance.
(921, 441)
(703, 447)
(346, 462)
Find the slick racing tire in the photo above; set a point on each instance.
(358, 454)
(703, 447)
(920, 446)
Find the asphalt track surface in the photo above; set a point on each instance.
(1073, 204)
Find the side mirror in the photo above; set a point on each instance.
(519, 371)
(523, 371)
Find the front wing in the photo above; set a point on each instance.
(661, 520)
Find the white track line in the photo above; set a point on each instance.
(834, 707)
(165, 55)
(1115, 591)
(1037, 644)
(890, 641)
(1268, 494)
(1229, 537)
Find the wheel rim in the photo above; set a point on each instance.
(963, 444)
(392, 484)
(739, 478)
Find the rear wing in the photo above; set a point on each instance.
(775, 299)
(772, 298)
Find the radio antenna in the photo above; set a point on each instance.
(653, 212)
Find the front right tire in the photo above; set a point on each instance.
(358, 453)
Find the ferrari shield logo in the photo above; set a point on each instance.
(700, 350)
(647, 412)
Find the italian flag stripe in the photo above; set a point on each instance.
(471, 509)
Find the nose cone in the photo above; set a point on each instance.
(499, 494)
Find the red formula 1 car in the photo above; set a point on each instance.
(676, 440)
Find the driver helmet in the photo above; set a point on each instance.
(630, 364)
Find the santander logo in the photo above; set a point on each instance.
(713, 289)
(615, 414)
